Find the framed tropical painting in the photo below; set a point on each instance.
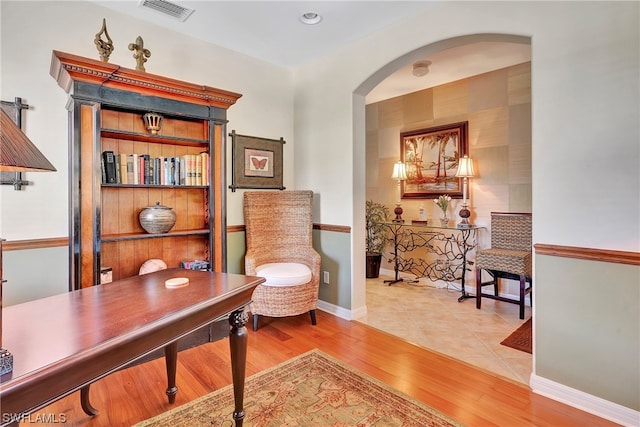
(431, 157)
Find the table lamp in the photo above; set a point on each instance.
(17, 154)
(399, 173)
(465, 171)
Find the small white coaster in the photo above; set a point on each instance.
(176, 282)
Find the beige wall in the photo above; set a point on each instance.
(497, 106)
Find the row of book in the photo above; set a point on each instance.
(189, 169)
(195, 265)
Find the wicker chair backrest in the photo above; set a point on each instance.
(278, 220)
(511, 231)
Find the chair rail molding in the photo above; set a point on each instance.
(604, 255)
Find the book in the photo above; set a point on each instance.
(117, 163)
(183, 170)
(197, 169)
(145, 173)
(129, 169)
(124, 172)
(188, 176)
(157, 170)
(136, 169)
(109, 161)
(205, 168)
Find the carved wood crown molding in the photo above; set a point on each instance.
(67, 69)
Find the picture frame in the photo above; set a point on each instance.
(256, 162)
(431, 157)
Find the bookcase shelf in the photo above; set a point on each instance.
(156, 139)
(107, 105)
(139, 236)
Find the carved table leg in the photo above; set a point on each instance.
(238, 347)
(171, 360)
(84, 401)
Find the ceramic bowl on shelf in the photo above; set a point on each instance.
(157, 219)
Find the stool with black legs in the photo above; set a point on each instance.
(510, 257)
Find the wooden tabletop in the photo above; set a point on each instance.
(64, 341)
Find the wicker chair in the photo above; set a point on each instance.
(509, 257)
(279, 234)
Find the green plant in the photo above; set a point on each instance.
(376, 215)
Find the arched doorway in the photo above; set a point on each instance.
(360, 130)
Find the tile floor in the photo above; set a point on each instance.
(442, 324)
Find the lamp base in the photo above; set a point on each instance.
(6, 361)
(464, 214)
(398, 211)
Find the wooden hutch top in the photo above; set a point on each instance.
(67, 69)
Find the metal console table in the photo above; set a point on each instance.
(450, 245)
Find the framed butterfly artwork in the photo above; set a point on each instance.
(256, 162)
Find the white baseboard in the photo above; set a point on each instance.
(585, 402)
(340, 311)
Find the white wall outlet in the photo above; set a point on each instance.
(325, 277)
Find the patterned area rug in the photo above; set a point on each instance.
(313, 389)
(521, 338)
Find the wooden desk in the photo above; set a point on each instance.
(63, 343)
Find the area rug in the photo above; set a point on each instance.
(521, 338)
(313, 389)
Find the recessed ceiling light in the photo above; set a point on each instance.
(310, 18)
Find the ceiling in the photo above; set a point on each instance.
(272, 31)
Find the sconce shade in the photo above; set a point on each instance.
(399, 171)
(465, 168)
(17, 152)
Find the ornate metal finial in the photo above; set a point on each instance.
(105, 47)
(141, 54)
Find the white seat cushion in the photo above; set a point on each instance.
(284, 274)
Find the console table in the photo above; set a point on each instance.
(450, 246)
(63, 343)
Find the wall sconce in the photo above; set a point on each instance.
(399, 173)
(465, 171)
(17, 154)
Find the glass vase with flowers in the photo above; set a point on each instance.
(443, 204)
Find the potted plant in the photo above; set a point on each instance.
(376, 215)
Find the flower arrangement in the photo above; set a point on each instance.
(443, 203)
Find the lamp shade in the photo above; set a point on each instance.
(399, 171)
(17, 152)
(465, 168)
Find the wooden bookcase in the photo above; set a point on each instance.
(106, 106)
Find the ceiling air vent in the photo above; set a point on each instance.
(168, 8)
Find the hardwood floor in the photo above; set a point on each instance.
(471, 396)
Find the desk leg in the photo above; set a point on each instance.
(84, 401)
(238, 347)
(171, 360)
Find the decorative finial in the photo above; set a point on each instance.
(141, 54)
(105, 47)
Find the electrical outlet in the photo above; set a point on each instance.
(325, 279)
